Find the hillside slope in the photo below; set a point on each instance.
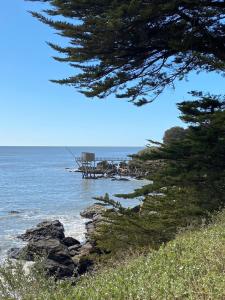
(190, 267)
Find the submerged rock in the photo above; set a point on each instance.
(46, 229)
(14, 212)
(120, 179)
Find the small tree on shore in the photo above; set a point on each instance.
(173, 134)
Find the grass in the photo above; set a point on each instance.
(190, 267)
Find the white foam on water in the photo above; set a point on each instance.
(74, 224)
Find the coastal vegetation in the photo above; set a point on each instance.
(187, 187)
(189, 267)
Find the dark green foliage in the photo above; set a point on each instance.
(187, 189)
(155, 221)
(198, 159)
(173, 134)
(136, 48)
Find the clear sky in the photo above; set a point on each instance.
(34, 111)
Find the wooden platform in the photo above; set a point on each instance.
(100, 166)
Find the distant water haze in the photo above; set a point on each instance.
(35, 186)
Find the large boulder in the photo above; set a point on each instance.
(43, 248)
(56, 257)
(59, 271)
(92, 210)
(61, 256)
(46, 229)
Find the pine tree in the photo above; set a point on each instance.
(157, 220)
(136, 48)
(189, 187)
(196, 160)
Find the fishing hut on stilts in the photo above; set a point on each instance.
(93, 167)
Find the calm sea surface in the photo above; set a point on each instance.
(34, 182)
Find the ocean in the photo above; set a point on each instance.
(35, 183)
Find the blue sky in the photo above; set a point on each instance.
(34, 111)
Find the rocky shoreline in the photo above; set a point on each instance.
(61, 256)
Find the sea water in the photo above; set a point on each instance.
(36, 185)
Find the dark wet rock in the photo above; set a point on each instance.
(46, 247)
(120, 179)
(46, 229)
(56, 257)
(58, 270)
(92, 210)
(70, 241)
(139, 177)
(14, 212)
(85, 264)
(61, 256)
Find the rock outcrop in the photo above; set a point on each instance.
(92, 211)
(47, 242)
(61, 256)
(52, 229)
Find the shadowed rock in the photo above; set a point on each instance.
(61, 256)
(43, 248)
(46, 229)
(70, 241)
(58, 270)
(57, 260)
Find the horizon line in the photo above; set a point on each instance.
(72, 146)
